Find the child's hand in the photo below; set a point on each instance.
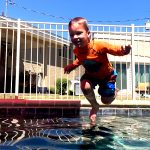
(126, 49)
(69, 68)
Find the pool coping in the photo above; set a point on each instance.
(56, 103)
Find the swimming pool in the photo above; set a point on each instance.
(111, 132)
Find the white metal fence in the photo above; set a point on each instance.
(33, 55)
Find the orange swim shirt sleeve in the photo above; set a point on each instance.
(105, 47)
(76, 62)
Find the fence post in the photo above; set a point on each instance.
(17, 61)
(133, 63)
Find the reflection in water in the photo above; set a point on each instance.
(74, 133)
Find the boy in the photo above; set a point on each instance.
(92, 54)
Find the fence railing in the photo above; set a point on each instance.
(33, 55)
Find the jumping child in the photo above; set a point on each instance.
(92, 55)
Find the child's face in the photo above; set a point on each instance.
(79, 36)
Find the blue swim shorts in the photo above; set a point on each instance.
(106, 86)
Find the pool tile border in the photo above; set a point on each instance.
(118, 111)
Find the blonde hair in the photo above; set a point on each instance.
(79, 20)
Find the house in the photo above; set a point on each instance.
(37, 50)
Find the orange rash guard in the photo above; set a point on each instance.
(94, 58)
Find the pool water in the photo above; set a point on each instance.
(109, 133)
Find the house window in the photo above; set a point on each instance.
(66, 52)
(142, 73)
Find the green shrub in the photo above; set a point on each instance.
(61, 86)
(70, 92)
(52, 90)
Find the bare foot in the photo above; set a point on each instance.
(93, 113)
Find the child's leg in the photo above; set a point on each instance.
(93, 114)
(109, 99)
(88, 92)
(108, 93)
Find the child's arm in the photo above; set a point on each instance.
(71, 67)
(119, 50)
(114, 49)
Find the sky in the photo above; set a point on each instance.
(124, 12)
